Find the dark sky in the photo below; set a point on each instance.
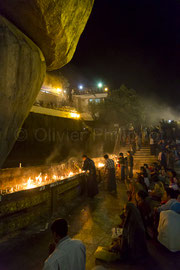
(136, 42)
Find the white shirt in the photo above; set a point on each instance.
(68, 255)
(169, 230)
(146, 181)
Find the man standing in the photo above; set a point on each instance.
(121, 162)
(110, 173)
(89, 167)
(65, 252)
(130, 164)
(152, 145)
(162, 159)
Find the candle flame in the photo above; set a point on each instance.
(100, 165)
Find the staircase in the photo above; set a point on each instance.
(143, 156)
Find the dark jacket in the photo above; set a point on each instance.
(130, 160)
(89, 166)
(121, 161)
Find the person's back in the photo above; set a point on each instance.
(89, 165)
(169, 230)
(109, 164)
(130, 160)
(68, 255)
(121, 160)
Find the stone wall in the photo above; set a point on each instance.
(46, 139)
(24, 208)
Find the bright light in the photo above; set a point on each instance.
(81, 87)
(100, 85)
(64, 91)
(59, 90)
(169, 121)
(75, 115)
(105, 89)
(100, 165)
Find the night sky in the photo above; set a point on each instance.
(135, 42)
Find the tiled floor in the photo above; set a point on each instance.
(91, 221)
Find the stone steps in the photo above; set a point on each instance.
(139, 156)
(143, 156)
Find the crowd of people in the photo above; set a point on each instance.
(152, 210)
(155, 193)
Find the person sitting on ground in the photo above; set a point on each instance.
(158, 192)
(144, 174)
(154, 172)
(163, 176)
(129, 195)
(141, 185)
(66, 253)
(170, 198)
(147, 171)
(110, 173)
(173, 180)
(169, 228)
(143, 204)
(136, 186)
(132, 244)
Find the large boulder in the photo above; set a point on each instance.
(22, 72)
(54, 25)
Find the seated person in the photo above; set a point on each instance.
(141, 183)
(147, 171)
(66, 253)
(163, 176)
(158, 192)
(143, 205)
(173, 180)
(169, 228)
(169, 198)
(132, 244)
(144, 174)
(136, 186)
(146, 179)
(129, 195)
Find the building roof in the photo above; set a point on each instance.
(91, 96)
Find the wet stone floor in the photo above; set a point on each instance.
(91, 220)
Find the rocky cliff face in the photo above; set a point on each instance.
(55, 26)
(22, 71)
(41, 32)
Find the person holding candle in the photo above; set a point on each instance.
(89, 167)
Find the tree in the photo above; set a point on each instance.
(55, 79)
(122, 106)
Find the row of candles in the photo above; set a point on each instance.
(38, 181)
(41, 180)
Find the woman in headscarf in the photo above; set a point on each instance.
(132, 244)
